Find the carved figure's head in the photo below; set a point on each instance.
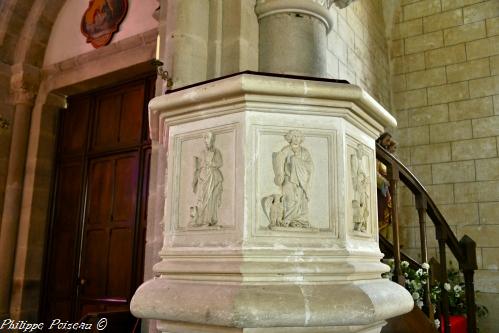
(294, 137)
(360, 151)
(209, 139)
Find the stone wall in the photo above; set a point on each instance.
(445, 62)
(357, 48)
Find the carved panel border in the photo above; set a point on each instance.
(329, 136)
(177, 191)
(351, 147)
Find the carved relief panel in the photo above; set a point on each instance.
(204, 180)
(294, 182)
(360, 183)
(293, 168)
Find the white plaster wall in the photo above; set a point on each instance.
(67, 41)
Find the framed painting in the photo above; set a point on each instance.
(102, 19)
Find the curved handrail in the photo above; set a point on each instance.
(408, 178)
(464, 251)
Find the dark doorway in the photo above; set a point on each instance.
(95, 252)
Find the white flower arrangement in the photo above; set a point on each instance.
(416, 279)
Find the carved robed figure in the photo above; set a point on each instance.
(293, 169)
(360, 183)
(207, 184)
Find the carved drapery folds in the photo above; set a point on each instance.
(359, 164)
(207, 184)
(293, 168)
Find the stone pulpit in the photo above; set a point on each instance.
(270, 222)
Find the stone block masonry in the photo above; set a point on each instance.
(445, 79)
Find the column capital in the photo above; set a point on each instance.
(24, 83)
(316, 8)
(340, 3)
(22, 96)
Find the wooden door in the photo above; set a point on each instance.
(97, 233)
(106, 269)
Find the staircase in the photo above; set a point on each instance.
(463, 250)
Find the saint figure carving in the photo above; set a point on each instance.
(360, 183)
(293, 169)
(207, 184)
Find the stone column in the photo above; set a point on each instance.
(186, 40)
(24, 80)
(270, 222)
(293, 36)
(23, 102)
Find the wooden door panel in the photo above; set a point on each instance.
(100, 191)
(75, 126)
(131, 116)
(62, 255)
(109, 233)
(99, 204)
(69, 188)
(119, 118)
(143, 214)
(120, 263)
(107, 119)
(94, 265)
(125, 191)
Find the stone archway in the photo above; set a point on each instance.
(36, 95)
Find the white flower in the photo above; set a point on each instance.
(423, 281)
(416, 284)
(447, 286)
(420, 304)
(419, 272)
(404, 264)
(437, 323)
(425, 266)
(406, 275)
(415, 296)
(457, 289)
